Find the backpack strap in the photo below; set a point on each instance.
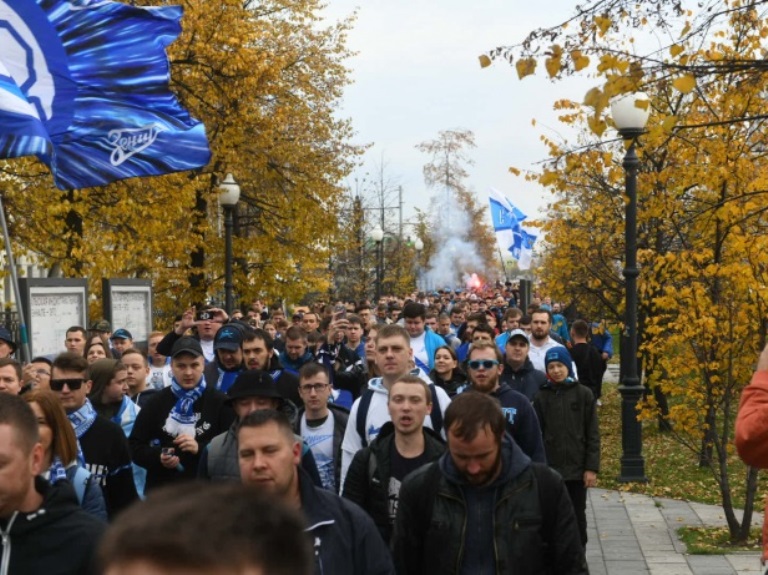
(362, 415)
(437, 413)
(80, 482)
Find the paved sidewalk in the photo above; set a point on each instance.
(631, 534)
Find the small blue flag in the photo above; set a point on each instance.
(84, 86)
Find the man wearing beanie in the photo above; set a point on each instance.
(568, 418)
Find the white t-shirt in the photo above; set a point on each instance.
(419, 348)
(320, 441)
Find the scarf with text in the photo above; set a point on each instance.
(181, 419)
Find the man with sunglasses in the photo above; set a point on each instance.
(485, 366)
(103, 443)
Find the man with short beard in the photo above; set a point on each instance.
(259, 353)
(519, 373)
(484, 371)
(346, 542)
(484, 507)
(541, 342)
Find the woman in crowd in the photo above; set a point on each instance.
(96, 349)
(61, 451)
(447, 373)
(370, 352)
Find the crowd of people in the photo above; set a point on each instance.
(450, 432)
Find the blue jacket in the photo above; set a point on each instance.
(522, 422)
(560, 327)
(431, 342)
(601, 338)
(345, 539)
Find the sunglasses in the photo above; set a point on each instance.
(484, 363)
(72, 384)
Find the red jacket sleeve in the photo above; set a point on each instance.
(752, 422)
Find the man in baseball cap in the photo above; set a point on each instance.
(121, 340)
(228, 360)
(172, 430)
(519, 373)
(252, 390)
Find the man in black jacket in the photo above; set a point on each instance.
(484, 507)
(403, 445)
(105, 448)
(43, 528)
(519, 373)
(177, 423)
(345, 539)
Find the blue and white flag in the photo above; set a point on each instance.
(84, 87)
(507, 223)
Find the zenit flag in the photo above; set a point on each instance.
(507, 223)
(84, 86)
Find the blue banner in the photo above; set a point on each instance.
(84, 86)
(507, 223)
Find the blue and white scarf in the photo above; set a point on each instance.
(57, 472)
(82, 419)
(181, 419)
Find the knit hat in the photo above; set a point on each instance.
(559, 353)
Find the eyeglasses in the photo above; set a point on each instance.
(43, 372)
(484, 363)
(316, 387)
(72, 384)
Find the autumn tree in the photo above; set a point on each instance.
(702, 197)
(455, 214)
(265, 78)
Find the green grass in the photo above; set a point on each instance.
(673, 472)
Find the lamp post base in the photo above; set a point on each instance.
(632, 461)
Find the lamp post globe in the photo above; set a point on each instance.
(229, 195)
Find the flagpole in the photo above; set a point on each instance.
(503, 266)
(15, 280)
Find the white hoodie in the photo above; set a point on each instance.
(378, 415)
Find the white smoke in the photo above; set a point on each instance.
(454, 257)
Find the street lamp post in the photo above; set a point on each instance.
(630, 114)
(418, 246)
(377, 235)
(228, 198)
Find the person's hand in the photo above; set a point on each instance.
(187, 444)
(187, 321)
(29, 375)
(219, 314)
(590, 479)
(168, 460)
(605, 356)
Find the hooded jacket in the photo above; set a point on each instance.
(526, 380)
(433, 535)
(367, 482)
(345, 540)
(568, 419)
(59, 538)
(377, 416)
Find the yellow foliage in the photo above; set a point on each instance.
(580, 61)
(603, 24)
(552, 64)
(685, 83)
(676, 49)
(525, 67)
(485, 61)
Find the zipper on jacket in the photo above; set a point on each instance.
(6, 536)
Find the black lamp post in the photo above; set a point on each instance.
(377, 235)
(630, 114)
(228, 198)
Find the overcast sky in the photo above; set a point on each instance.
(417, 73)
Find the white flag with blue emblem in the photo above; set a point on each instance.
(507, 223)
(84, 87)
